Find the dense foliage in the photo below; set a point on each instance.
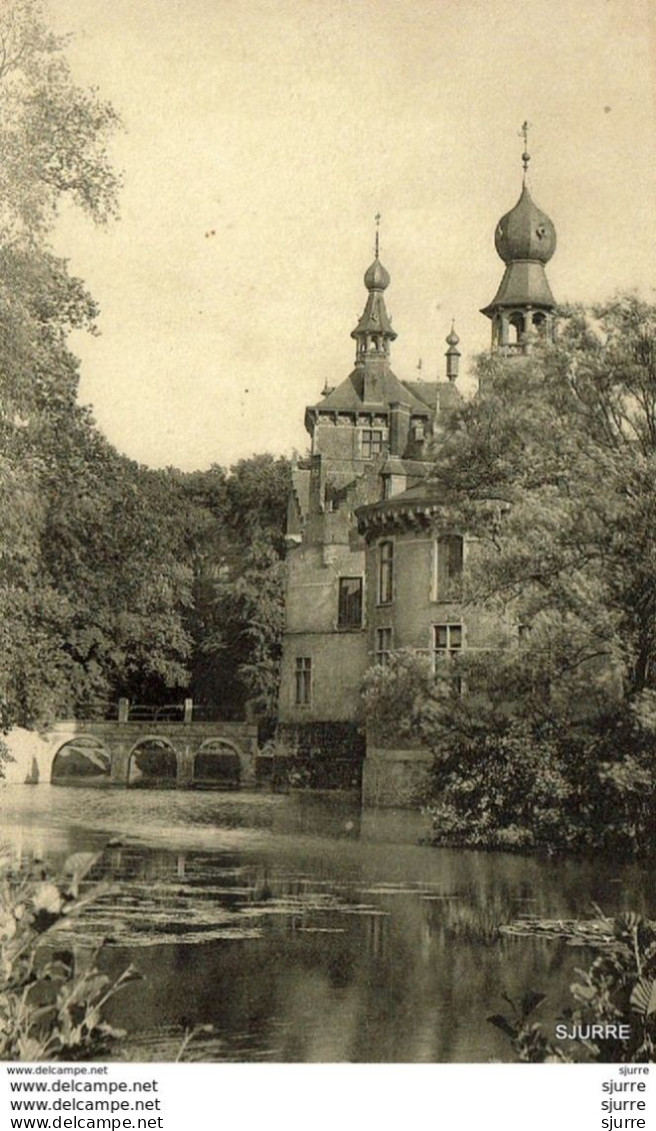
(549, 737)
(564, 442)
(52, 996)
(236, 621)
(114, 580)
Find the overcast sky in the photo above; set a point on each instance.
(281, 127)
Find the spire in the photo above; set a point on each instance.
(452, 354)
(526, 156)
(525, 239)
(374, 332)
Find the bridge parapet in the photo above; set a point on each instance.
(122, 738)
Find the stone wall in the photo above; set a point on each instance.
(395, 778)
(319, 755)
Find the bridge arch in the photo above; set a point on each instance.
(153, 760)
(81, 758)
(218, 762)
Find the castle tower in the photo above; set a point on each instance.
(369, 434)
(523, 306)
(374, 334)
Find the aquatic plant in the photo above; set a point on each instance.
(52, 996)
(614, 1012)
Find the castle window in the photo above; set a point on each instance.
(303, 681)
(385, 572)
(372, 442)
(349, 613)
(450, 555)
(419, 430)
(383, 646)
(447, 642)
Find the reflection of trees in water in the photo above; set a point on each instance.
(330, 979)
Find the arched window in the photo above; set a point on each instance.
(516, 326)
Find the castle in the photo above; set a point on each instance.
(372, 563)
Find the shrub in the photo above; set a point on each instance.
(394, 698)
(619, 988)
(503, 782)
(51, 996)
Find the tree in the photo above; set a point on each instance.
(54, 133)
(238, 615)
(53, 137)
(113, 579)
(552, 470)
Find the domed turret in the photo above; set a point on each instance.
(376, 278)
(452, 354)
(523, 306)
(525, 232)
(374, 332)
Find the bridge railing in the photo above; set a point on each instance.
(185, 712)
(207, 713)
(124, 711)
(148, 713)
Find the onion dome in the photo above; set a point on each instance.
(376, 278)
(452, 354)
(525, 233)
(374, 332)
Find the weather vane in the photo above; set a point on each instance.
(377, 218)
(526, 157)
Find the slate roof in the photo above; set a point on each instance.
(524, 281)
(349, 395)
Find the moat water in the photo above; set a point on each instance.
(302, 929)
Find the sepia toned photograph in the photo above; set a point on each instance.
(328, 542)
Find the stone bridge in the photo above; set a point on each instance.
(130, 752)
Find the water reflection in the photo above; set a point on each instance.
(303, 930)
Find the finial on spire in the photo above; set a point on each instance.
(377, 218)
(526, 157)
